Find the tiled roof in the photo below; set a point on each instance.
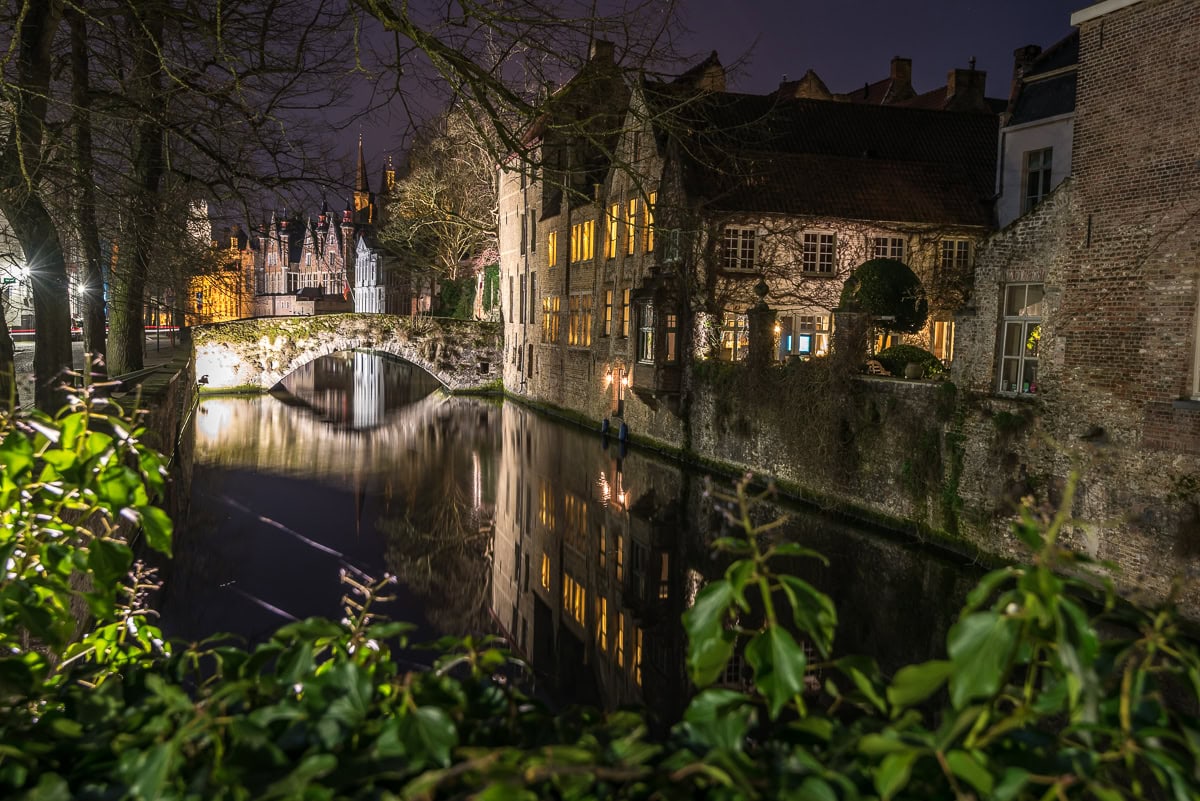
(762, 154)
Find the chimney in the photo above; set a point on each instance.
(964, 90)
(901, 88)
(1023, 58)
(601, 50)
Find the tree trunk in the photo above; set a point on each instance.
(21, 180)
(9, 397)
(92, 280)
(127, 331)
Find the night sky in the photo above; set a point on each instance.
(847, 42)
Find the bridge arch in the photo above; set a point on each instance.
(254, 355)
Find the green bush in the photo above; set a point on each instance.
(1048, 688)
(456, 298)
(887, 288)
(895, 358)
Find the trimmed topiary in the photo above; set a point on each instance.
(896, 357)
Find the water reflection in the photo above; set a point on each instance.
(497, 519)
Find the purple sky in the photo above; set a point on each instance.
(847, 42)
(851, 42)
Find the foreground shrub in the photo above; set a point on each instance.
(1048, 689)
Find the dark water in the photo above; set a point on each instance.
(496, 520)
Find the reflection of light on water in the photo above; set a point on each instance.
(215, 415)
(476, 481)
(605, 490)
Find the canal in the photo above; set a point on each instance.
(496, 519)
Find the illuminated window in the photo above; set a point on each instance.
(631, 227)
(889, 247)
(550, 318)
(552, 248)
(942, 340)
(545, 571)
(583, 241)
(1036, 178)
(620, 554)
(603, 553)
(664, 578)
(637, 655)
(610, 244)
(602, 622)
(809, 335)
(625, 313)
(546, 512)
(817, 253)
(1022, 335)
(574, 599)
(579, 323)
(738, 248)
(608, 303)
(670, 334)
(735, 337)
(652, 200)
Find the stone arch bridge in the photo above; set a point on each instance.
(254, 355)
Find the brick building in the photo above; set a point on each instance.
(1085, 311)
(652, 209)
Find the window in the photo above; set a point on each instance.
(942, 340)
(521, 222)
(608, 300)
(546, 507)
(645, 344)
(735, 337)
(620, 639)
(550, 319)
(631, 227)
(738, 249)
(1021, 336)
(524, 286)
(625, 313)
(533, 231)
(889, 247)
(602, 622)
(533, 297)
(579, 324)
(574, 598)
(637, 656)
(620, 554)
(610, 244)
(1037, 177)
(670, 334)
(583, 241)
(956, 256)
(651, 202)
(545, 571)
(552, 248)
(817, 253)
(808, 335)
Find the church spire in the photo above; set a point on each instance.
(362, 191)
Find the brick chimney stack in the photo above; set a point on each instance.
(964, 90)
(901, 88)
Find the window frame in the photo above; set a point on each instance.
(818, 252)
(1028, 330)
(645, 337)
(736, 240)
(886, 247)
(1036, 178)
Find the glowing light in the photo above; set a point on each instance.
(778, 330)
(608, 378)
(625, 381)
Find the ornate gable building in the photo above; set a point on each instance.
(632, 248)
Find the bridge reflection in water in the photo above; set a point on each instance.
(496, 520)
